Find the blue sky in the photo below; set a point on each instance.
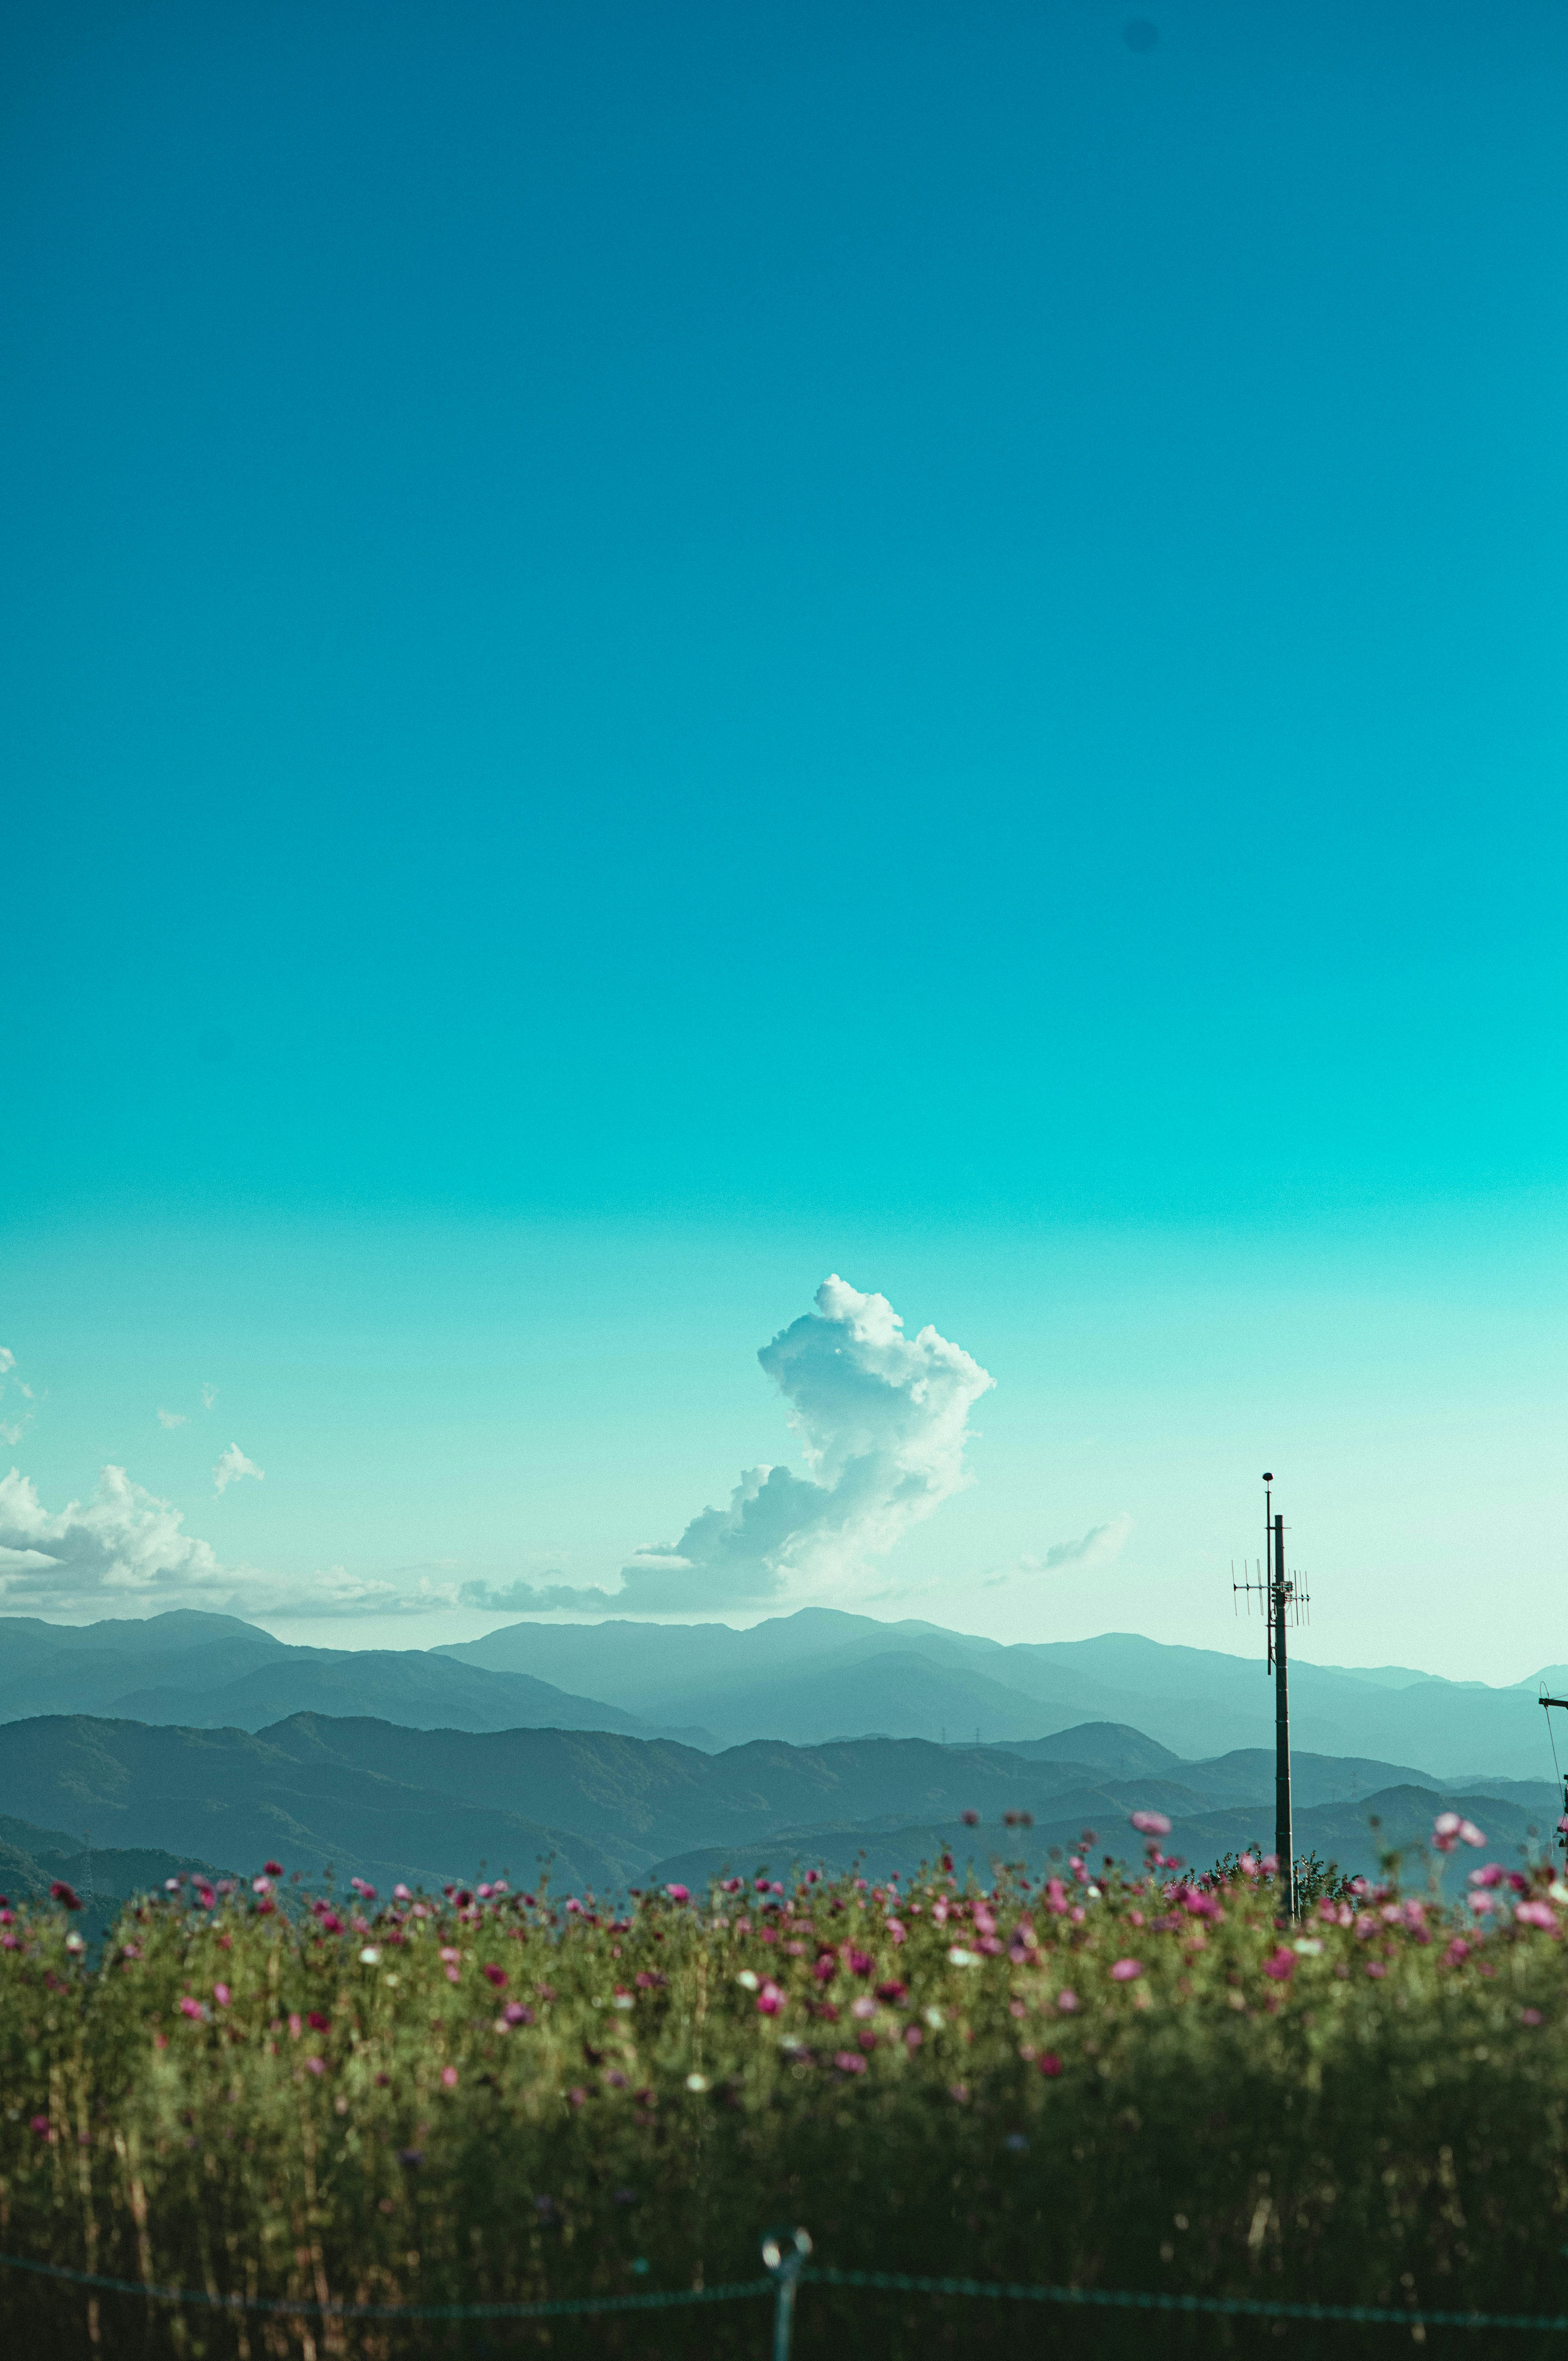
(651, 655)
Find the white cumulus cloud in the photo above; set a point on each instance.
(169, 1419)
(231, 1466)
(122, 1546)
(209, 1396)
(882, 1419)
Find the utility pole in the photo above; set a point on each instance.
(1283, 1596)
(1283, 1841)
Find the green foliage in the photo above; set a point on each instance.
(1148, 2084)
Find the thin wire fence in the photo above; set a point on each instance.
(787, 2255)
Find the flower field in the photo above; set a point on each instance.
(1132, 2082)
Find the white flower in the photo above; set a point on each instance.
(1307, 1945)
(696, 2081)
(958, 1957)
(370, 1957)
(748, 1979)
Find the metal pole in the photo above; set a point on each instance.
(785, 2253)
(1284, 1844)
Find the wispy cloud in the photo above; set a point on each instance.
(14, 1427)
(882, 1420)
(169, 1419)
(232, 1465)
(1100, 1545)
(209, 1396)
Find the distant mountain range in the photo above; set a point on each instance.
(214, 1672)
(603, 1810)
(808, 1679)
(623, 1751)
(821, 1674)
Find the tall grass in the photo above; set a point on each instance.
(1134, 2082)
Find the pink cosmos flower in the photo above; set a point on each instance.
(40, 2125)
(449, 2077)
(273, 1867)
(1376, 1968)
(1049, 2063)
(194, 2008)
(1066, 2002)
(315, 2065)
(1492, 1874)
(1457, 1951)
(770, 2000)
(971, 1819)
(1536, 1914)
(1446, 1831)
(1529, 2016)
(496, 1976)
(365, 1893)
(848, 2061)
(678, 1892)
(221, 1995)
(1150, 1824)
(1125, 1971)
(1280, 1965)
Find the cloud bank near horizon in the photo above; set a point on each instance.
(882, 1419)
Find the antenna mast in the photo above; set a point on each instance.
(1284, 1597)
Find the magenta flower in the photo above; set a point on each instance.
(770, 2000)
(222, 1995)
(516, 2013)
(1280, 1965)
(1536, 1914)
(678, 1892)
(1150, 1824)
(365, 1893)
(64, 1895)
(971, 1819)
(449, 2077)
(496, 1976)
(1049, 2063)
(1066, 2000)
(315, 2065)
(273, 1867)
(1125, 1971)
(1446, 1831)
(848, 2061)
(194, 2008)
(40, 2125)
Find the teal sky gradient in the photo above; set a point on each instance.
(647, 653)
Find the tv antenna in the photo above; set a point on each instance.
(1285, 1600)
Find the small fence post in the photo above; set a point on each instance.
(786, 2253)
